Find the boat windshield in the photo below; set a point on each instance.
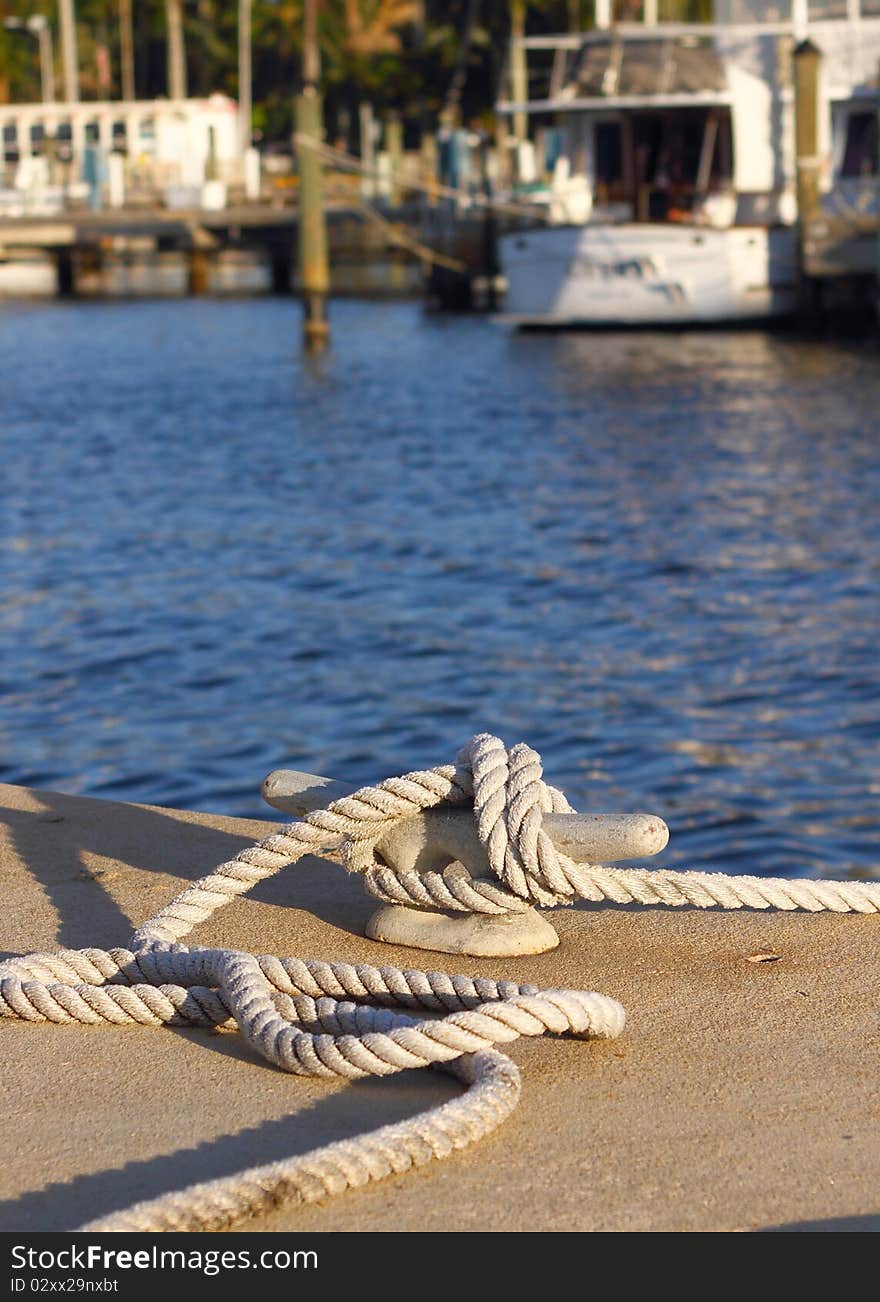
(610, 68)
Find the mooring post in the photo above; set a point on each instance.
(126, 49)
(69, 55)
(519, 83)
(314, 272)
(807, 69)
(197, 271)
(175, 51)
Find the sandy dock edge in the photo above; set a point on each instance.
(743, 1096)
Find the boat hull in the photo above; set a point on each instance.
(648, 275)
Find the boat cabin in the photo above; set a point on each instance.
(662, 121)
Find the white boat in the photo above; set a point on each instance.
(673, 195)
(27, 276)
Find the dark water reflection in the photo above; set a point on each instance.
(654, 557)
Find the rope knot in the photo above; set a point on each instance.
(510, 798)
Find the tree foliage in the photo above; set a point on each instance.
(399, 54)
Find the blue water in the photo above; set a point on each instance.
(654, 557)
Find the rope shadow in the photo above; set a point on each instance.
(148, 840)
(868, 1224)
(63, 1205)
(54, 841)
(324, 890)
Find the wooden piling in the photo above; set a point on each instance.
(807, 69)
(126, 49)
(314, 273)
(69, 55)
(519, 85)
(175, 51)
(198, 268)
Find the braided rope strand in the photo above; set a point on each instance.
(335, 1019)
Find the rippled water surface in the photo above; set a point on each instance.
(654, 557)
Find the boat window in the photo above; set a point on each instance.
(860, 151)
(871, 8)
(683, 11)
(673, 11)
(752, 11)
(147, 136)
(594, 70)
(10, 142)
(642, 68)
(819, 9)
(64, 141)
(38, 135)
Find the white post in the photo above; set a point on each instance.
(132, 135)
(382, 181)
(368, 149)
(252, 173)
(603, 14)
(105, 129)
(77, 141)
(116, 181)
(650, 13)
(69, 56)
(800, 18)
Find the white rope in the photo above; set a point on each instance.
(331, 1019)
(400, 238)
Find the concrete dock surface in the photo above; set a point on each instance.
(744, 1094)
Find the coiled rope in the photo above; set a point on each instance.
(330, 1019)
